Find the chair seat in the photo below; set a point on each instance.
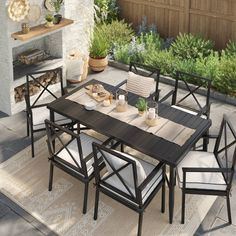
(40, 114)
(188, 111)
(201, 180)
(86, 143)
(115, 181)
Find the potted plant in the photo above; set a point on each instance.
(98, 51)
(141, 105)
(49, 20)
(57, 6)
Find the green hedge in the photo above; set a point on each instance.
(188, 53)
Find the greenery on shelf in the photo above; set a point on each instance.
(57, 5)
(141, 104)
(49, 18)
(190, 47)
(98, 45)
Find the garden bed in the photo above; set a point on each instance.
(168, 80)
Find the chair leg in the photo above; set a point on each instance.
(27, 124)
(163, 196)
(85, 197)
(122, 147)
(96, 204)
(183, 207)
(229, 209)
(140, 222)
(50, 177)
(32, 141)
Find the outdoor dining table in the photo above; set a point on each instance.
(152, 145)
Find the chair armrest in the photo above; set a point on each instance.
(120, 84)
(151, 176)
(167, 96)
(155, 95)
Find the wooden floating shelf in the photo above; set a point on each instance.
(41, 30)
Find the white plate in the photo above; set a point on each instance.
(90, 105)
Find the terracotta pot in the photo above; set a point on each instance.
(98, 64)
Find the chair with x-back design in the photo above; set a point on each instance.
(72, 153)
(189, 100)
(36, 106)
(127, 179)
(143, 80)
(210, 173)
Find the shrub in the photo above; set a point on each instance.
(117, 32)
(208, 67)
(121, 53)
(191, 47)
(152, 41)
(106, 10)
(230, 49)
(187, 66)
(161, 59)
(226, 81)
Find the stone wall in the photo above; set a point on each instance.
(73, 39)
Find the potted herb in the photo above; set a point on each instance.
(141, 105)
(57, 6)
(49, 20)
(98, 51)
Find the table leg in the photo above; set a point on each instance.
(52, 119)
(171, 194)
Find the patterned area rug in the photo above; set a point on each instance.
(25, 180)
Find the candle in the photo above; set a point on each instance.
(121, 99)
(151, 113)
(106, 103)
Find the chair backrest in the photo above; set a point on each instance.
(45, 88)
(191, 100)
(65, 147)
(148, 72)
(121, 176)
(225, 148)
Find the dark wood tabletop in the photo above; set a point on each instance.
(148, 143)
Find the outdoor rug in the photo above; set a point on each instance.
(25, 181)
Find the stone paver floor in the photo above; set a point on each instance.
(14, 221)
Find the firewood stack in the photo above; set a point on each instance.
(31, 56)
(34, 87)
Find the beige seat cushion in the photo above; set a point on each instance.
(127, 172)
(40, 114)
(147, 167)
(86, 143)
(201, 180)
(140, 85)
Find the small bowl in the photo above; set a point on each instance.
(90, 105)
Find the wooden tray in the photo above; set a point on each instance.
(106, 94)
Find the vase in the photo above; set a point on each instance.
(57, 19)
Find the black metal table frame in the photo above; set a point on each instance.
(152, 145)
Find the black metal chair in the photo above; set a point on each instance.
(36, 110)
(72, 154)
(190, 102)
(128, 180)
(210, 173)
(147, 86)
